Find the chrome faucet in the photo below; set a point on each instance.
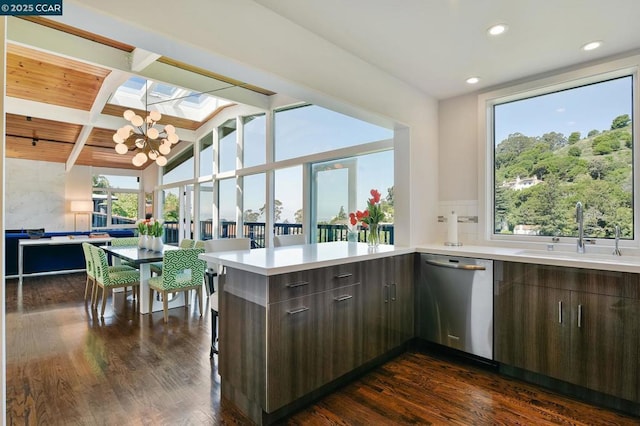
(616, 251)
(580, 220)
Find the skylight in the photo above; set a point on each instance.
(137, 92)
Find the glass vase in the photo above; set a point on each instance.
(157, 244)
(373, 236)
(142, 241)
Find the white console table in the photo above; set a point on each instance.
(76, 239)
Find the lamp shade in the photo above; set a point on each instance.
(79, 206)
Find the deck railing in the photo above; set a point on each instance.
(257, 230)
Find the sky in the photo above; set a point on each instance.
(576, 110)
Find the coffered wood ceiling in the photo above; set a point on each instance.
(57, 84)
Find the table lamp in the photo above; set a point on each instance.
(84, 209)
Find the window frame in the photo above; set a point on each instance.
(579, 77)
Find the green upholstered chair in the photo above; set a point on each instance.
(199, 244)
(108, 279)
(90, 268)
(182, 271)
(156, 267)
(126, 242)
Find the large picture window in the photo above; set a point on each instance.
(556, 149)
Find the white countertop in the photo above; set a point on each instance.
(280, 260)
(272, 261)
(587, 260)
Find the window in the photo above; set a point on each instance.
(116, 200)
(227, 146)
(180, 168)
(206, 155)
(554, 149)
(311, 129)
(344, 186)
(254, 208)
(206, 211)
(288, 201)
(255, 130)
(227, 208)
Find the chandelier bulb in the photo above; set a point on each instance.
(137, 121)
(153, 133)
(117, 139)
(121, 148)
(155, 116)
(128, 115)
(170, 129)
(161, 161)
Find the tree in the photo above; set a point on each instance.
(555, 140)
(125, 206)
(574, 151)
(100, 182)
(251, 216)
(620, 121)
(298, 215)
(170, 207)
(573, 138)
(277, 210)
(341, 217)
(592, 133)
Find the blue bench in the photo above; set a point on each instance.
(47, 258)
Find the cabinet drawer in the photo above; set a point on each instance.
(296, 284)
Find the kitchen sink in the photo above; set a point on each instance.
(605, 257)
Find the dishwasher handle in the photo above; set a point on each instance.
(464, 266)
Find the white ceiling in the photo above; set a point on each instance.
(435, 45)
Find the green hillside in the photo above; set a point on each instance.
(595, 169)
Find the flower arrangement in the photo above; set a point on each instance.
(372, 215)
(143, 226)
(369, 218)
(150, 227)
(155, 228)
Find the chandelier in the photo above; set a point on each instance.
(153, 143)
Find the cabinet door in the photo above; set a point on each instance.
(605, 343)
(312, 340)
(401, 302)
(533, 328)
(376, 296)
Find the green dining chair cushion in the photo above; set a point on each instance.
(181, 268)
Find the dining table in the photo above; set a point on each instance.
(143, 259)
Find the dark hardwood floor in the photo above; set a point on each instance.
(66, 366)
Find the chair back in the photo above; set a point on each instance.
(124, 242)
(175, 265)
(199, 244)
(100, 264)
(187, 243)
(225, 244)
(88, 259)
(289, 240)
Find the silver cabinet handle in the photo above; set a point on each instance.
(456, 265)
(297, 311)
(339, 276)
(579, 316)
(386, 293)
(393, 294)
(343, 298)
(297, 284)
(560, 312)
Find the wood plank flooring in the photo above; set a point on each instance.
(65, 366)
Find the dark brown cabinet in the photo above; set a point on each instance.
(388, 304)
(576, 325)
(312, 340)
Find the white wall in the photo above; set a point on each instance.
(35, 195)
(458, 160)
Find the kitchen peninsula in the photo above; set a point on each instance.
(294, 320)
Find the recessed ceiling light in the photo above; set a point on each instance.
(473, 80)
(592, 45)
(497, 29)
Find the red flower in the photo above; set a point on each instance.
(375, 194)
(352, 219)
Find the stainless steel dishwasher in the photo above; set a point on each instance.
(455, 303)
